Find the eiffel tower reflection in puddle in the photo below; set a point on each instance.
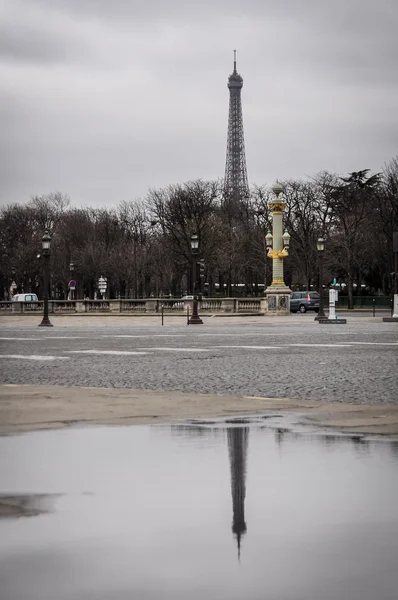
(238, 439)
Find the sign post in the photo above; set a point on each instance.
(72, 287)
(102, 285)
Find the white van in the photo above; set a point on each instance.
(25, 298)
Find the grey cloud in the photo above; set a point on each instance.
(24, 44)
(104, 99)
(30, 36)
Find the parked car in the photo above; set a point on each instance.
(25, 298)
(303, 301)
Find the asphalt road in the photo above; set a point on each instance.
(287, 358)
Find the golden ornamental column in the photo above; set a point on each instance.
(277, 294)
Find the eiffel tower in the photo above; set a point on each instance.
(238, 438)
(236, 187)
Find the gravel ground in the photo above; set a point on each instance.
(274, 357)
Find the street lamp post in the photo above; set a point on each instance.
(195, 319)
(277, 243)
(321, 252)
(46, 245)
(395, 281)
(71, 271)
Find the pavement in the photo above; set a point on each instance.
(348, 372)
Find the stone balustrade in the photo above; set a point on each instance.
(137, 306)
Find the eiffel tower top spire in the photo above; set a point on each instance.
(238, 438)
(235, 80)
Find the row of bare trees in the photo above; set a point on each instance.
(143, 247)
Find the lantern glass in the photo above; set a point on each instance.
(320, 244)
(194, 242)
(286, 239)
(268, 240)
(46, 241)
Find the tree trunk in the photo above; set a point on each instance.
(359, 281)
(350, 291)
(221, 283)
(210, 289)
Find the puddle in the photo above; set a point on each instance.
(199, 511)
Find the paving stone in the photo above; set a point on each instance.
(356, 363)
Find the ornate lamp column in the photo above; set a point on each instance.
(277, 294)
(46, 244)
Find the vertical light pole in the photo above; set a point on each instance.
(277, 294)
(195, 319)
(46, 246)
(71, 271)
(321, 252)
(395, 282)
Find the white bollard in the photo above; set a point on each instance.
(395, 313)
(333, 296)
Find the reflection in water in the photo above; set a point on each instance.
(25, 505)
(394, 448)
(155, 522)
(238, 438)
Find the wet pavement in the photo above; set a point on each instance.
(199, 511)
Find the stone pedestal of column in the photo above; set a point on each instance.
(277, 301)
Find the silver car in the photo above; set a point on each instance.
(303, 301)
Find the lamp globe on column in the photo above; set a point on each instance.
(46, 243)
(194, 243)
(277, 188)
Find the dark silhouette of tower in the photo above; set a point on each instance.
(236, 187)
(238, 438)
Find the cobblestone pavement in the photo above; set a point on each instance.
(275, 357)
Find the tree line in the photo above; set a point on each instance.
(143, 249)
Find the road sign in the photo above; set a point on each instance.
(72, 284)
(102, 284)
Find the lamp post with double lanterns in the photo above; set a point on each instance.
(46, 249)
(277, 244)
(194, 319)
(321, 252)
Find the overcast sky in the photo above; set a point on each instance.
(103, 99)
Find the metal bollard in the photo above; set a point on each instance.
(162, 313)
(187, 315)
(374, 306)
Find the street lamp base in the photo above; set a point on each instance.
(195, 321)
(46, 323)
(320, 316)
